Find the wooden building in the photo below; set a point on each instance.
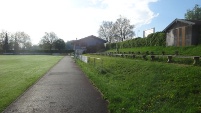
(183, 32)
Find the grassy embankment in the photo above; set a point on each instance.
(135, 86)
(17, 73)
(190, 50)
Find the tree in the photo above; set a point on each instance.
(123, 29)
(59, 44)
(194, 14)
(106, 31)
(48, 40)
(5, 45)
(16, 45)
(2, 38)
(22, 40)
(119, 31)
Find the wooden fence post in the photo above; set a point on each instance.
(196, 60)
(144, 57)
(163, 52)
(169, 59)
(152, 57)
(133, 56)
(122, 55)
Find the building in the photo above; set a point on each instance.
(148, 32)
(183, 32)
(89, 44)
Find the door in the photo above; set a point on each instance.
(183, 37)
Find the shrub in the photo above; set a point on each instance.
(154, 39)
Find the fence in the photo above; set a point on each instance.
(83, 58)
(96, 62)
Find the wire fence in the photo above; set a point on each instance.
(97, 62)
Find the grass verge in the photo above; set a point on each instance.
(17, 73)
(136, 86)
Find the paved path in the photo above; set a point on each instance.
(64, 89)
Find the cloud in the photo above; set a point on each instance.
(109, 10)
(69, 19)
(136, 10)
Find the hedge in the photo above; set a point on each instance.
(154, 39)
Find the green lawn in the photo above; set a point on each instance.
(19, 72)
(138, 86)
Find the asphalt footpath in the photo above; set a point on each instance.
(64, 89)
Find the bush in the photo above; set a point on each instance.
(154, 39)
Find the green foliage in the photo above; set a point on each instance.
(194, 14)
(136, 86)
(154, 39)
(48, 40)
(59, 44)
(17, 73)
(5, 44)
(16, 45)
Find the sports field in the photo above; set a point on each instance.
(19, 72)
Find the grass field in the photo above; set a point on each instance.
(138, 86)
(19, 72)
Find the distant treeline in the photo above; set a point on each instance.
(154, 39)
(35, 51)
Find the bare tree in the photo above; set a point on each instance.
(123, 29)
(22, 40)
(106, 31)
(47, 41)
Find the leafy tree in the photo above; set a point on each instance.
(48, 40)
(106, 31)
(2, 38)
(16, 41)
(123, 29)
(193, 14)
(16, 45)
(5, 45)
(70, 45)
(59, 44)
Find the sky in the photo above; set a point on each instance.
(71, 19)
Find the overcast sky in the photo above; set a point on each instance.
(71, 19)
